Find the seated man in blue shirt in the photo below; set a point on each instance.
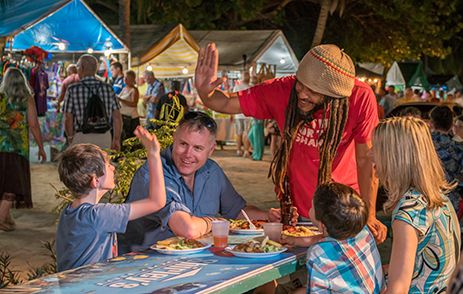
(197, 190)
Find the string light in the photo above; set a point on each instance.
(282, 61)
(90, 50)
(185, 70)
(61, 46)
(149, 68)
(107, 52)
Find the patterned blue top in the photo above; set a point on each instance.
(438, 241)
(345, 266)
(451, 155)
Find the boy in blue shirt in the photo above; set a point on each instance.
(345, 258)
(87, 229)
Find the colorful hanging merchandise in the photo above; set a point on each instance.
(38, 78)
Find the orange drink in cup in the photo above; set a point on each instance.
(220, 233)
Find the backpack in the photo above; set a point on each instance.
(96, 120)
(172, 110)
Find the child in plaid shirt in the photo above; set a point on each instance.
(345, 258)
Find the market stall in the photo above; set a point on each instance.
(407, 74)
(49, 26)
(169, 52)
(265, 53)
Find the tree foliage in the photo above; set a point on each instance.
(384, 31)
(369, 30)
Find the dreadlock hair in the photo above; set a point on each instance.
(339, 108)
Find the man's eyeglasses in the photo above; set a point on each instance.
(202, 118)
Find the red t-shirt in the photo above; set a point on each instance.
(269, 101)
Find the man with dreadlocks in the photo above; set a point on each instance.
(327, 118)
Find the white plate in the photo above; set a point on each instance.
(179, 251)
(247, 231)
(253, 254)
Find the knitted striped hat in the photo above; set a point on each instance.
(327, 70)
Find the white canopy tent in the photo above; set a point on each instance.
(395, 77)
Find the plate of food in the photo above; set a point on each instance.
(241, 226)
(179, 246)
(300, 231)
(257, 249)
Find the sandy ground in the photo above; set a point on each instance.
(39, 223)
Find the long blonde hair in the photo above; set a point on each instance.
(405, 158)
(14, 86)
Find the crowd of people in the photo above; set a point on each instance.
(388, 97)
(334, 151)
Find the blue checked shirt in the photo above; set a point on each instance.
(345, 266)
(451, 156)
(77, 95)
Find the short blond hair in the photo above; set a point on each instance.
(405, 158)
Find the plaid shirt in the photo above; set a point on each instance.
(350, 266)
(451, 156)
(77, 95)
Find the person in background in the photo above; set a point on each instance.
(129, 101)
(197, 190)
(75, 103)
(458, 129)
(117, 77)
(408, 96)
(426, 243)
(416, 95)
(257, 138)
(344, 257)
(389, 100)
(450, 152)
(241, 122)
(142, 86)
(171, 107)
(153, 94)
(411, 111)
(458, 99)
(72, 77)
(87, 229)
(17, 115)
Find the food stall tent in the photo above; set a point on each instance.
(172, 52)
(267, 54)
(62, 28)
(407, 74)
(67, 26)
(268, 47)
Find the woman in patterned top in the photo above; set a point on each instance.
(17, 114)
(425, 248)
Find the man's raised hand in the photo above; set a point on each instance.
(206, 71)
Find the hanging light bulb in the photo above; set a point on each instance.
(61, 46)
(90, 50)
(185, 70)
(107, 52)
(149, 68)
(282, 61)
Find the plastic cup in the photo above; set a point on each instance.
(220, 230)
(273, 231)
